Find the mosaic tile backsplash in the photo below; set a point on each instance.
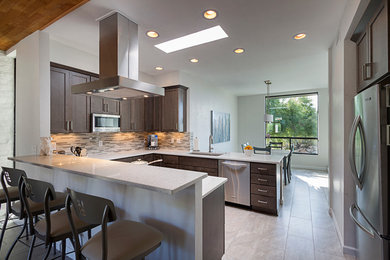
(118, 142)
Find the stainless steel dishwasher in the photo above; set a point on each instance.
(237, 188)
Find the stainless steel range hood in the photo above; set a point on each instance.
(118, 62)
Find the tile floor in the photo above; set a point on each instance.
(303, 229)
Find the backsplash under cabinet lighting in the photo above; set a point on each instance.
(119, 142)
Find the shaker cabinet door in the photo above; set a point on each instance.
(59, 79)
(80, 122)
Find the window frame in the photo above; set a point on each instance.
(294, 137)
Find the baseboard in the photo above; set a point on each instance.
(346, 249)
(306, 167)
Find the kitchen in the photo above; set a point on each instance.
(67, 53)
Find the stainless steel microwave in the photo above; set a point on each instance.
(106, 123)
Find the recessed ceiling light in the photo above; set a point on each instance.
(152, 34)
(193, 39)
(210, 14)
(239, 50)
(194, 60)
(159, 68)
(146, 96)
(299, 36)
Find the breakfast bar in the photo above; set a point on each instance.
(168, 199)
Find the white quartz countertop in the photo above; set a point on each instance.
(159, 179)
(275, 158)
(211, 183)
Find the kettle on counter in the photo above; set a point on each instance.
(76, 150)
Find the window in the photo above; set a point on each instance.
(295, 122)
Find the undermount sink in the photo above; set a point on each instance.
(206, 153)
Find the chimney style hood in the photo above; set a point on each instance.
(118, 62)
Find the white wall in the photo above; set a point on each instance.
(7, 109)
(32, 92)
(342, 88)
(202, 98)
(251, 111)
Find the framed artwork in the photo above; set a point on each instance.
(220, 127)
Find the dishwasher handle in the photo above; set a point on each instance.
(234, 164)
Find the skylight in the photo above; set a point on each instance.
(193, 39)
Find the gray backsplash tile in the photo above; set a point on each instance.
(118, 142)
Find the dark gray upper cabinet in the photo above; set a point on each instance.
(100, 105)
(372, 45)
(125, 115)
(137, 115)
(152, 113)
(69, 113)
(174, 109)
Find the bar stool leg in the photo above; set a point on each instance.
(17, 238)
(47, 251)
(63, 249)
(3, 230)
(31, 248)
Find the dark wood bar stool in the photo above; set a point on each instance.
(14, 178)
(123, 239)
(54, 227)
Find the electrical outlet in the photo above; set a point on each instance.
(100, 143)
(172, 140)
(178, 141)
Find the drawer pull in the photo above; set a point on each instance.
(264, 180)
(262, 190)
(262, 202)
(262, 169)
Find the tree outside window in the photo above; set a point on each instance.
(295, 122)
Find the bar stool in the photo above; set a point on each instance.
(123, 239)
(13, 194)
(54, 227)
(14, 178)
(257, 150)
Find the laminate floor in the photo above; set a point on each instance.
(303, 230)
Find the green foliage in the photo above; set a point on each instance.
(298, 114)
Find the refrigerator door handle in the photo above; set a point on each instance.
(370, 231)
(357, 124)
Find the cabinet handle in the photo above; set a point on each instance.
(262, 169)
(71, 125)
(365, 67)
(264, 180)
(262, 202)
(67, 126)
(262, 190)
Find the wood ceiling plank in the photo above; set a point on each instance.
(20, 18)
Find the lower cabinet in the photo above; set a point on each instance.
(264, 188)
(199, 164)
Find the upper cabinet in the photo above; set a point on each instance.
(69, 113)
(100, 105)
(174, 109)
(372, 42)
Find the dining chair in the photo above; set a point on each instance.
(258, 150)
(276, 145)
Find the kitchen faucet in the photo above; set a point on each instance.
(211, 141)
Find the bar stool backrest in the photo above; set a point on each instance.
(91, 209)
(12, 177)
(38, 192)
(261, 149)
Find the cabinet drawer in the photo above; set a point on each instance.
(263, 202)
(201, 162)
(267, 180)
(262, 168)
(267, 191)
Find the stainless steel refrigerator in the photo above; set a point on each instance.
(368, 156)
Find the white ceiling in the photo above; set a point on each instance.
(264, 28)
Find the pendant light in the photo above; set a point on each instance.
(268, 118)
